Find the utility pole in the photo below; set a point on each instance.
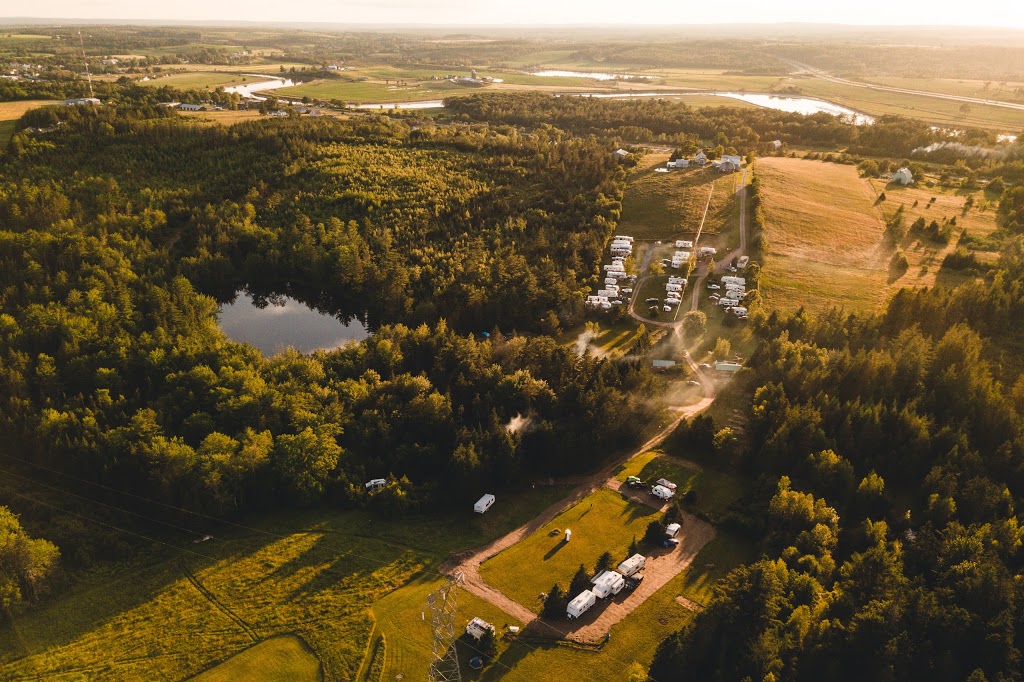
(444, 666)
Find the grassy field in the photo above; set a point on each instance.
(603, 521)
(200, 80)
(714, 489)
(12, 111)
(824, 235)
(284, 658)
(1005, 91)
(170, 614)
(670, 205)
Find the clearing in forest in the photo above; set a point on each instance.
(669, 205)
(824, 234)
(286, 658)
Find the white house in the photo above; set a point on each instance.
(701, 158)
(484, 503)
(607, 584)
(477, 627)
(672, 529)
(375, 484)
(903, 176)
(733, 159)
(776, 144)
(632, 565)
(579, 605)
(620, 154)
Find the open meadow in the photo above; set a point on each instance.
(175, 612)
(714, 489)
(671, 205)
(824, 235)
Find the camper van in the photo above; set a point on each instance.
(484, 503)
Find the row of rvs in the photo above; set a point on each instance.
(614, 274)
(605, 584)
(735, 291)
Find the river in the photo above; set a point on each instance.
(274, 324)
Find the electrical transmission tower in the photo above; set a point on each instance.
(88, 75)
(445, 664)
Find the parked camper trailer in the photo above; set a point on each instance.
(608, 583)
(661, 492)
(739, 310)
(375, 484)
(632, 565)
(743, 261)
(579, 605)
(484, 503)
(672, 529)
(624, 237)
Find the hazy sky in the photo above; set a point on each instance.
(1005, 13)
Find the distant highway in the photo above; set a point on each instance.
(824, 75)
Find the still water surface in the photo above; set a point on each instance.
(285, 322)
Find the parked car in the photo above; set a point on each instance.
(627, 290)
(714, 286)
(705, 365)
(653, 300)
(691, 382)
(667, 308)
(616, 302)
(670, 542)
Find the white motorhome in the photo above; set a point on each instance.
(739, 310)
(580, 603)
(484, 503)
(608, 583)
(729, 279)
(633, 564)
(624, 237)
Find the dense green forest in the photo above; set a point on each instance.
(122, 229)
(890, 450)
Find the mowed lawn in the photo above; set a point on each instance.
(602, 522)
(285, 658)
(670, 205)
(824, 235)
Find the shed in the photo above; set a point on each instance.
(477, 627)
(580, 603)
(632, 565)
(620, 154)
(608, 583)
(728, 366)
(484, 503)
(672, 529)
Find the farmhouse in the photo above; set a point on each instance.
(701, 158)
(484, 503)
(477, 627)
(903, 176)
(607, 584)
(579, 605)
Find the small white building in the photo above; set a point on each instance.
(701, 158)
(672, 529)
(608, 583)
(664, 482)
(903, 176)
(82, 101)
(661, 492)
(580, 603)
(633, 564)
(776, 144)
(484, 503)
(375, 484)
(620, 154)
(735, 160)
(477, 627)
(678, 164)
(728, 366)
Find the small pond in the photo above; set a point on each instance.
(274, 323)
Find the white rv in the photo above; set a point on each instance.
(672, 529)
(375, 484)
(633, 564)
(579, 605)
(608, 583)
(661, 492)
(484, 503)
